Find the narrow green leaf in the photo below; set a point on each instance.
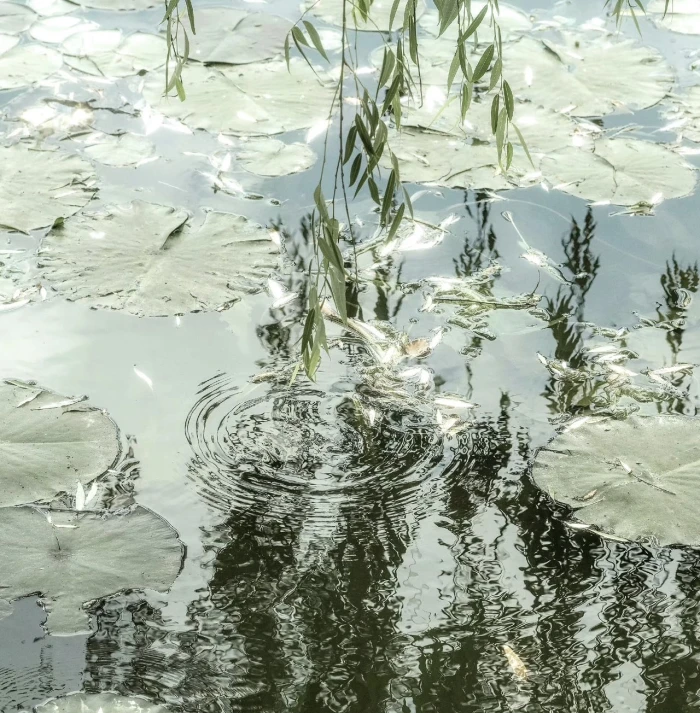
(447, 14)
(413, 40)
(286, 51)
(172, 4)
(408, 13)
(508, 99)
(308, 329)
(190, 15)
(395, 166)
(502, 123)
(391, 93)
(392, 14)
(636, 23)
(299, 37)
(321, 203)
(474, 24)
(388, 63)
(494, 112)
(465, 99)
(495, 73)
(484, 63)
(509, 155)
(364, 134)
(350, 143)
(396, 222)
(523, 144)
(355, 169)
(374, 191)
(316, 39)
(297, 44)
(336, 280)
(396, 105)
(454, 66)
(388, 198)
(407, 198)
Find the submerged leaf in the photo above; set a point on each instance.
(270, 157)
(644, 470)
(141, 258)
(82, 557)
(43, 450)
(39, 187)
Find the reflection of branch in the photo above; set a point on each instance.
(679, 286)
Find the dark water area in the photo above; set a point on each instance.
(343, 554)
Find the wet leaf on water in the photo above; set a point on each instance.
(270, 157)
(24, 65)
(256, 99)
(576, 74)
(56, 29)
(229, 36)
(45, 448)
(108, 53)
(118, 150)
(516, 663)
(621, 171)
(39, 187)
(15, 18)
(644, 469)
(80, 557)
(144, 259)
(331, 12)
(99, 703)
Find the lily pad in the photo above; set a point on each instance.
(119, 150)
(511, 21)
(229, 36)
(15, 18)
(331, 12)
(82, 556)
(7, 42)
(683, 15)
(39, 187)
(51, 8)
(254, 99)
(25, 64)
(635, 478)
(107, 53)
(621, 171)
(575, 75)
(100, 703)
(685, 110)
(121, 5)
(144, 259)
(45, 446)
(270, 157)
(56, 29)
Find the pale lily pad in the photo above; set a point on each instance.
(270, 157)
(99, 703)
(141, 258)
(120, 150)
(636, 478)
(621, 171)
(121, 5)
(229, 36)
(15, 18)
(575, 75)
(331, 12)
(79, 557)
(25, 64)
(683, 15)
(7, 42)
(511, 21)
(445, 160)
(38, 187)
(254, 99)
(56, 29)
(108, 53)
(45, 446)
(684, 113)
(51, 8)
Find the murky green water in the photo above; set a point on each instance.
(337, 562)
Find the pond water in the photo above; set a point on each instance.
(343, 551)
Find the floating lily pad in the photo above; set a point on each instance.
(100, 703)
(141, 258)
(331, 11)
(229, 36)
(270, 157)
(7, 42)
(25, 64)
(683, 15)
(636, 478)
(121, 5)
(254, 99)
(119, 150)
(108, 53)
(46, 446)
(622, 171)
(38, 187)
(80, 557)
(575, 75)
(15, 18)
(686, 109)
(56, 29)
(51, 8)
(511, 21)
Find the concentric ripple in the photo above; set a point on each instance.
(266, 440)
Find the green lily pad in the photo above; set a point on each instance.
(82, 556)
(331, 12)
(270, 157)
(118, 150)
(576, 74)
(24, 65)
(39, 187)
(108, 53)
(146, 259)
(259, 99)
(100, 703)
(229, 36)
(621, 171)
(46, 446)
(635, 478)
(15, 18)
